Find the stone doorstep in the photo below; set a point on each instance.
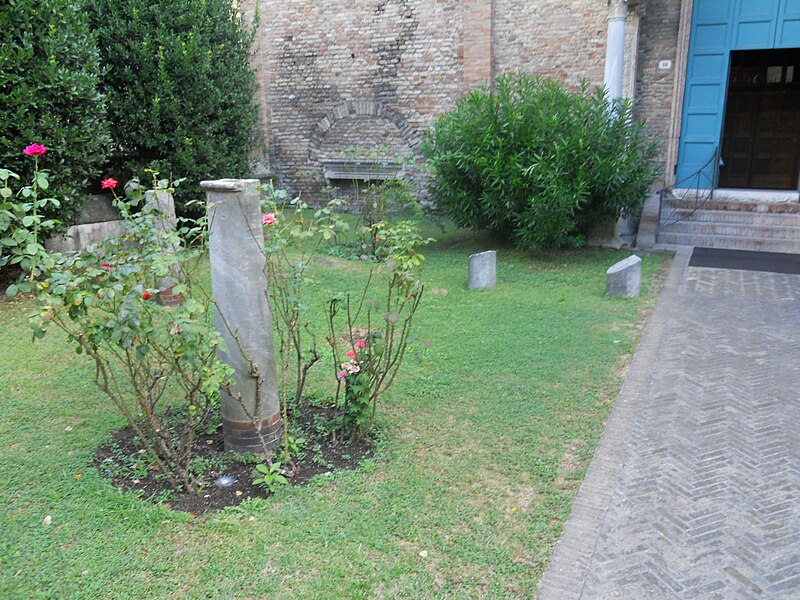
(743, 230)
(728, 242)
(763, 202)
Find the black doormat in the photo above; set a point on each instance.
(746, 260)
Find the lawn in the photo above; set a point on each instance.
(483, 443)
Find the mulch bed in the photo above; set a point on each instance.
(8, 275)
(130, 468)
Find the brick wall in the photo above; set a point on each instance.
(658, 38)
(561, 39)
(356, 75)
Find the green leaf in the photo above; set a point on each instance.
(27, 221)
(41, 180)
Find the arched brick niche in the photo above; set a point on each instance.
(361, 124)
(368, 133)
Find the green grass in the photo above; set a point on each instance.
(485, 439)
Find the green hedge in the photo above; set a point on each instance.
(48, 85)
(537, 163)
(180, 89)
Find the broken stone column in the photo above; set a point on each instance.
(242, 314)
(482, 270)
(624, 278)
(162, 202)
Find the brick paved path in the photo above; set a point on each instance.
(694, 491)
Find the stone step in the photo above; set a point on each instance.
(733, 205)
(745, 230)
(670, 214)
(731, 242)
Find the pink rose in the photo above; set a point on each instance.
(341, 375)
(108, 184)
(34, 150)
(361, 344)
(353, 369)
(268, 219)
(350, 354)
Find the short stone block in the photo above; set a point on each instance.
(624, 278)
(482, 270)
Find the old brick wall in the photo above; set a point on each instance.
(366, 77)
(658, 39)
(560, 39)
(384, 67)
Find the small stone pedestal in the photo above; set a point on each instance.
(162, 202)
(482, 270)
(624, 278)
(242, 314)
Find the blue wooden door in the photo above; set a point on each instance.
(718, 27)
(787, 34)
(704, 99)
(755, 24)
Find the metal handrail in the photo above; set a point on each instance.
(699, 202)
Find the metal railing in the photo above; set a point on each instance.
(700, 200)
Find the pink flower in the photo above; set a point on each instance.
(147, 296)
(268, 219)
(341, 375)
(350, 354)
(353, 369)
(34, 150)
(106, 266)
(361, 344)
(108, 184)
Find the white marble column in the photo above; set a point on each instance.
(242, 314)
(615, 48)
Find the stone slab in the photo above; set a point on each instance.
(482, 270)
(625, 278)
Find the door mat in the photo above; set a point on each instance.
(746, 260)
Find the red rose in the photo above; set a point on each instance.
(34, 150)
(108, 184)
(147, 296)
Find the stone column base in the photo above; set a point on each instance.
(242, 436)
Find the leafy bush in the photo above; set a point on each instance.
(156, 364)
(22, 226)
(49, 73)
(368, 329)
(180, 88)
(538, 163)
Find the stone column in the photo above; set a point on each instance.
(614, 79)
(615, 48)
(242, 314)
(162, 202)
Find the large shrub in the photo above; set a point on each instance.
(179, 86)
(48, 85)
(538, 163)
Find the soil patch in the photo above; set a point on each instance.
(130, 468)
(8, 275)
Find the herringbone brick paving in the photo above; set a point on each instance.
(702, 496)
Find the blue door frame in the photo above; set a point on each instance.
(718, 28)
